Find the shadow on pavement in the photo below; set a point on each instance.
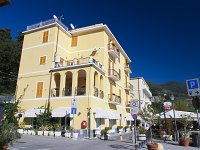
(118, 146)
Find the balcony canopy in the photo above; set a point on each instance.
(100, 113)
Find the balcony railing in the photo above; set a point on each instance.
(81, 91)
(112, 49)
(128, 86)
(101, 94)
(67, 91)
(114, 75)
(77, 62)
(127, 68)
(96, 92)
(44, 23)
(114, 99)
(55, 92)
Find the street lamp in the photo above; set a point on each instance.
(176, 135)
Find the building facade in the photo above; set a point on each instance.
(141, 92)
(86, 64)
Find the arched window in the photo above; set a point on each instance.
(67, 91)
(55, 91)
(81, 88)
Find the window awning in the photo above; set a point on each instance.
(62, 112)
(129, 117)
(100, 113)
(31, 113)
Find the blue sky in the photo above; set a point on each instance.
(161, 37)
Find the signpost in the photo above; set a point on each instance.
(73, 109)
(167, 105)
(134, 113)
(194, 91)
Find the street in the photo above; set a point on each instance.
(29, 142)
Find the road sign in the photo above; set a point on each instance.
(167, 105)
(73, 103)
(193, 87)
(134, 110)
(134, 103)
(134, 116)
(73, 110)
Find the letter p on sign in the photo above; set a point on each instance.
(193, 84)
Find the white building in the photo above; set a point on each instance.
(141, 91)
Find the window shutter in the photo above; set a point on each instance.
(74, 41)
(45, 36)
(39, 89)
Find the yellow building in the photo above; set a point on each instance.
(86, 64)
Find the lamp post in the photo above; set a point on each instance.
(176, 135)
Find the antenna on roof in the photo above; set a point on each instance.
(72, 26)
(55, 17)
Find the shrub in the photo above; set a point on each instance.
(119, 127)
(105, 131)
(142, 130)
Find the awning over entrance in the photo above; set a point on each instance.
(31, 113)
(129, 117)
(62, 112)
(100, 113)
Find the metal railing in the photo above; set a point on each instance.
(101, 94)
(113, 47)
(67, 91)
(113, 72)
(114, 98)
(44, 23)
(129, 86)
(81, 91)
(96, 92)
(55, 92)
(81, 61)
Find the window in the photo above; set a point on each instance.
(42, 60)
(45, 36)
(39, 89)
(119, 74)
(74, 41)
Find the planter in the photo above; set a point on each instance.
(151, 146)
(51, 133)
(46, 133)
(185, 141)
(31, 132)
(75, 135)
(142, 137)
(57, 133)
(104, 137)
(40, 132)
(21, 131)
(68, 134)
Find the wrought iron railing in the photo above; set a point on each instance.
(81, 91)
(55, 92)
(44, 23)
(113, 72)
(67, 91)
(114, 98)
(101, 94)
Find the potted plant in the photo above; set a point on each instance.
(58, 129)
(75, 134)
(21, 128)
(68, 132)
(119, 129)
(185, 135)
(127, 128)
(104, 133)
(142, 134)
(8, 133)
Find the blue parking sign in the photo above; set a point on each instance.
(192, 84)
(73, 110)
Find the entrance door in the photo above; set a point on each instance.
(112, 123)
(98, 123)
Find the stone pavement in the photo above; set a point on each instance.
(29, 142)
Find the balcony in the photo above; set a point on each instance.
(101, 94)
(67, 91)
(127, 68)
(79, 63)
(128, 86)
(55, 92)
(114, 99)
(45, 23)
(80, 91)
(112, 50)
(114, 75)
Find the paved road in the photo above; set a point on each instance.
(29, 142)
